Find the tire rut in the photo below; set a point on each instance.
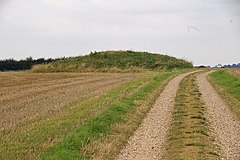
(224, 123)
(148, 141)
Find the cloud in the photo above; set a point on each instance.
(2, 5)
(61, 27)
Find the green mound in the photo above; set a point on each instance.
(114, 61)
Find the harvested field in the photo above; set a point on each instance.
(24, 96)
(37, 110)
(92, 140)
(234, 71)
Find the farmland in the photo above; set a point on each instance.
(35, 95)
(119, 80)
(29, 100)
(39, 110)
(133, 112)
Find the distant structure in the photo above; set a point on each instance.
(227, 66)
(221, 66)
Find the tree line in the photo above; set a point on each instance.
(26, 64)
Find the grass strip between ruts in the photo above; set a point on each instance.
(95, 128)
(190, 136)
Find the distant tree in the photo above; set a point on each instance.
(29, 59)
(228, 66)
(11, 64)
(202, 66)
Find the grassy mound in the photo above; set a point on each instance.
(114, 61)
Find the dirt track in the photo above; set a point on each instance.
(24, 96)
(222, 120)
(148, 141)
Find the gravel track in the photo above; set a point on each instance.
(148, 141)
(224, 123)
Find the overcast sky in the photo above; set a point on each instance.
(205, 32)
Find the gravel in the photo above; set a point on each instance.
(224, 123)
(148, 141)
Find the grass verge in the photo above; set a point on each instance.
(77, 143)
(228, 86)
(190, 136)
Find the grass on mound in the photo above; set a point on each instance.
(190, 137)
(229, 88)
(115, 61)
(76, 143)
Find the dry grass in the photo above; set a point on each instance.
(234, 71)
(48, 68)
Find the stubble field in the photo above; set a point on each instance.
(34, 107)
(24, 96)
(120, 116)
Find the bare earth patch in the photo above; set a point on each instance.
(222, 120)
(148, 141)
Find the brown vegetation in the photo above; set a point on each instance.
(235, 71)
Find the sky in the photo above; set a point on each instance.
(206, 32)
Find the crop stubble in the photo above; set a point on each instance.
(24, 96)
(234, 71)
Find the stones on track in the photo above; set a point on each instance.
(224, 123)
(148, 141)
